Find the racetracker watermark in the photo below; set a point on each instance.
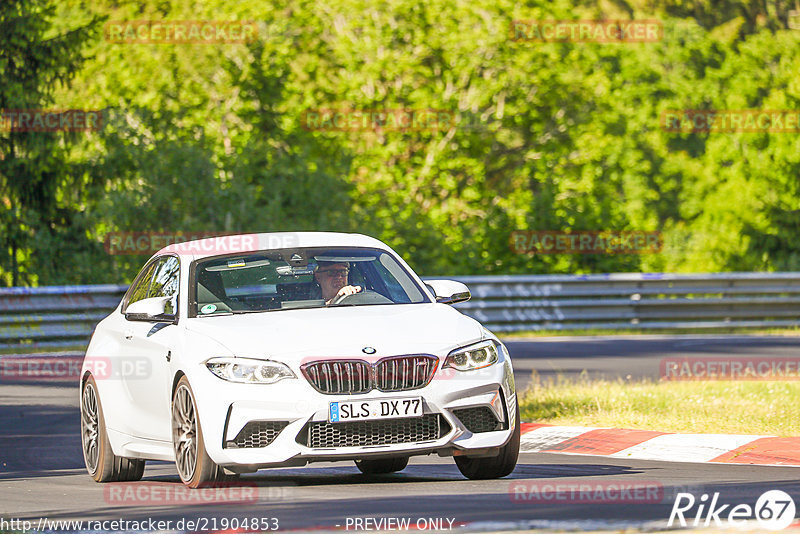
(53, 368)
(731, 121)
(69, 368)
(581, 491)
(587, 31)
(148, 243)
(50, 120)
(168, 494)
(725, 368)
(120, 368)
(585, 242)
(181, 31)
(387, 120)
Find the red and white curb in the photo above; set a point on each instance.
(651, 445)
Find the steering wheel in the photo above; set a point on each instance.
(364, 296)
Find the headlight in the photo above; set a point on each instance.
(476, 356)
(249, 371)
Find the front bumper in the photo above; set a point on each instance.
(290, 407)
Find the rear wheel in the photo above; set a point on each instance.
(101, 462)
(494, 467)
(195, 467)
(382, 465)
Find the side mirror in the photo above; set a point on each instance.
(449, 291)
(151, 309)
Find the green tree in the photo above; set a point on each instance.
(549, 136)
(38, 184)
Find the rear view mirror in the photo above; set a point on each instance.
(151, 309)
(449, 291)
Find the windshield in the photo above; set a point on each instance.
(301, 278)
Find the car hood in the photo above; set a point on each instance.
(293, 335)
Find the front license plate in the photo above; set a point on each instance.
(374, 409)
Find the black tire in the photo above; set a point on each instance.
(195, 467)
(101, 462)
(494, 467)
(382, 466)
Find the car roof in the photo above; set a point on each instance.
(232, 244)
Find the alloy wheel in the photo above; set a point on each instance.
(90, 427)
(184, 432)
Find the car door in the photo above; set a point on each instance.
(111, 353)
(148, 348)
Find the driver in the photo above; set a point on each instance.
(332, 279)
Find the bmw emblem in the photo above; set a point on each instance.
(368, 350)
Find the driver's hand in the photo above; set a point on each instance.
(346, 290)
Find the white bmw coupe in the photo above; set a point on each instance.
(237, 353)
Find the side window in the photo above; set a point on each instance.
(397, 292)
(356, 277)
(165, 282)
(139, 291)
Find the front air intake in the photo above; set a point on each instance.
(324, 435)
(257, 434)
(479, 419)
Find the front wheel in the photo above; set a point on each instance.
(497, 466)
(382, 466)
(195, 467)
(101, 462)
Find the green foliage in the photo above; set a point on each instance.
(40, 188)
(552, 136)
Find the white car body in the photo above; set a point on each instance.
(137, 364)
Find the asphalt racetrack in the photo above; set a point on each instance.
(43, 477)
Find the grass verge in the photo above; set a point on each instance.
(726, 407)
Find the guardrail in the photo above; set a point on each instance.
(60, 318)
(54, 317)
(634, 300)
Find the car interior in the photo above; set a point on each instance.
(260, 283)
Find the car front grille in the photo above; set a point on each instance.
(324, 435)
(336, 377)
(256, 434)
(402, 373)
(479, 419)
(395, 373)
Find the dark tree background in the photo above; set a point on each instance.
(553, 136)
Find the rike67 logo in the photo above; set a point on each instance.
(774, 510)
